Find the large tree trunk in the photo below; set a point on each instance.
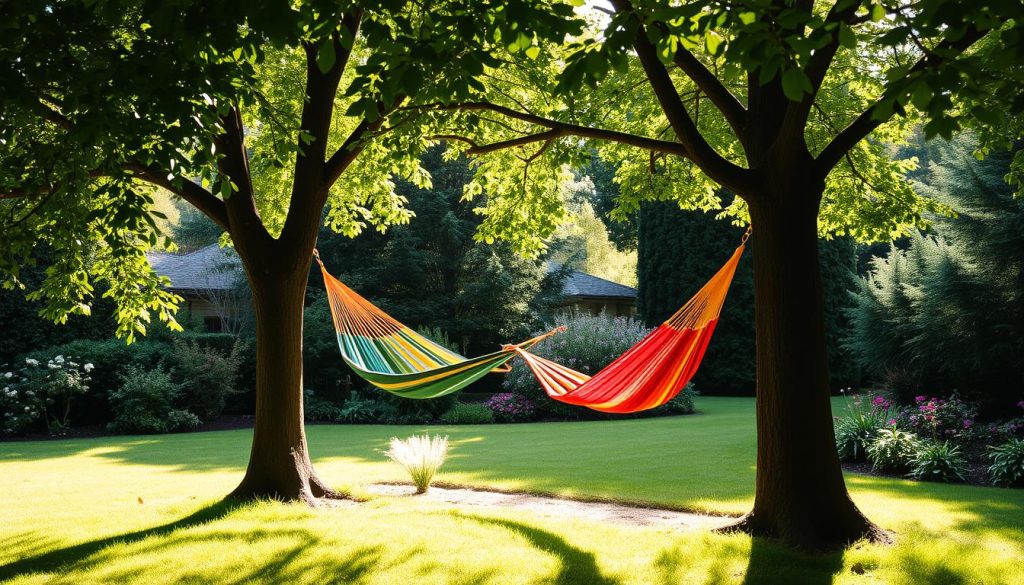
(279, 465)
(800, 496)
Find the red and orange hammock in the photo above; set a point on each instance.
(395, 358)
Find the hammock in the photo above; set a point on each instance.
(395, 358)
(654, 370)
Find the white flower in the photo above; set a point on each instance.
(9, 375)
(29, 393)
(31, 362)
(87, 367)
(59, 359)
(26, 409)
(53, 366)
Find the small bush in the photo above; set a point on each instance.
(358, 410)
(145, 404)
(588, 344)
(42, 391)
(949, 419)
(316, 410)
(938, 461)
(892, 450)
(468, 414)
(205, 377)
(683, 402)
(1007, 466)
(420, 456)
(508, 407)
(855, 432)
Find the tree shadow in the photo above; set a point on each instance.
(577, 565)
(63, 557)
(770, 562)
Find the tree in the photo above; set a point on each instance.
(947, 312)
(260, 115)
(789, 104)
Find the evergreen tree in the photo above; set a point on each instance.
(948, 311)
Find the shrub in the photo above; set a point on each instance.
(1007, 460)
(316, 410)
(949, 419)
(511, 408)
(682, 403)
(145, 403)
(420, 456)
(205, 376)
(111, 358)
(358, 410)
(588, 344)
(938, 461)
(44, 392)
(468, 414)
(855, 432)
(892, 450)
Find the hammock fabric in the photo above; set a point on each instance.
(397, 359)
(654, 370)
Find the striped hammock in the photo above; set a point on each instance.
(395, 358)
(654, 370)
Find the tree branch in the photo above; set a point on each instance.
(727, 103)
(565, 128)
(244, 220)
(717, 167)
(866, 122)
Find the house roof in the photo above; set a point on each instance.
(216, 268)
(209, 268)
(580, 284)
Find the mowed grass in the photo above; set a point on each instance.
(146, 510)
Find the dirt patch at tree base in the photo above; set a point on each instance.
(606, 512)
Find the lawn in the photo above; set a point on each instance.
(145, 509)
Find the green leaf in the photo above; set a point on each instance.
(846, 37)
(877, 12)
(533, 52)
(795, 84)
(325, 56)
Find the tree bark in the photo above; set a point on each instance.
(800, 496)
(279, 464)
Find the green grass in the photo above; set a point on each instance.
(72, 513)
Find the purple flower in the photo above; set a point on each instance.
(1020, 404)
(968, 423)
(878, 401)
(892, 422)
(919, 399)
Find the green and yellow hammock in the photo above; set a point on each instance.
(395, 358)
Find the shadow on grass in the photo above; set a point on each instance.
(64, 557)
(576, 565)
(770, 562)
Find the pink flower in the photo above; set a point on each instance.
(878, 401)
(968, 423)
(892, 422)
(919, 399)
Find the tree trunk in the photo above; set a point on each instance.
(800, 495)
(279, 465)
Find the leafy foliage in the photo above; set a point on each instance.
(949, 310)
(1007, 460)
(145, 403)
(892, 450)
(855, 432)
(468, 414)
(938, 461)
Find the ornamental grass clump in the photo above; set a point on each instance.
(421, 456)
